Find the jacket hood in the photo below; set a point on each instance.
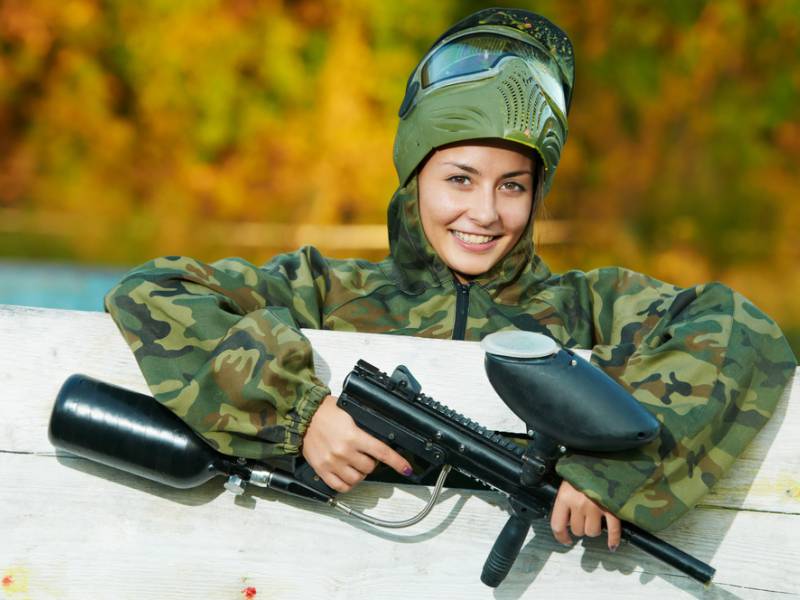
(417, 266)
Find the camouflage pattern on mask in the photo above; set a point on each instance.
(220, 345)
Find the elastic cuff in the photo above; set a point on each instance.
(305, 409)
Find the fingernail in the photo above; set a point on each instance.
(408, 471)
(613, 548)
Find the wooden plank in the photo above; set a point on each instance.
(77, 524)
(72, 529)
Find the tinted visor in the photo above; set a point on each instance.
(481, 53)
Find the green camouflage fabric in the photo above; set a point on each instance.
(219, 344)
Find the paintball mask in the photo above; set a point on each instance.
(505, 74)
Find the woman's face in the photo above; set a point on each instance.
(475, 200)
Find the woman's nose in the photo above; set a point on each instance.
(483, 209)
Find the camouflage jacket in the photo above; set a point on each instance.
(219, 344)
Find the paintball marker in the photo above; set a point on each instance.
(565, 402)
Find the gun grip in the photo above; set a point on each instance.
(305, 474)
(505, 551)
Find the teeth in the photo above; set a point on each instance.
(471, 238)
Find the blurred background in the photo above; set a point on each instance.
(214, 128)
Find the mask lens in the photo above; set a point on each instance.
(481, 53)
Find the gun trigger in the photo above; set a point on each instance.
(421, 477)
(402, 374)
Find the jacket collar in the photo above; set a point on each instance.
(418, 267)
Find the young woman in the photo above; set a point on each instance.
(481, 131)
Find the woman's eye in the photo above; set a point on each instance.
(513, 186)
(459, 179)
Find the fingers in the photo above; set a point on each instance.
(363, 463)
(340, 467)
(586, 522)
(380, 451)
(593, 522)
(576, 519)
(614, 528)
(574, 511)
(341, 477)
(350, 475)
(559, 518)
(340, 452)
(333, 481)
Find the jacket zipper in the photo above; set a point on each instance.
(462, 310)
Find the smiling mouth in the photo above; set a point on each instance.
(472, 238)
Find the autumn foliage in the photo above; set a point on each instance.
(134, 129)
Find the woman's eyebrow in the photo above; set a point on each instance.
(466, 168)
(475, 171)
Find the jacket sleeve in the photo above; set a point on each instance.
(219, 345)
(705, 361)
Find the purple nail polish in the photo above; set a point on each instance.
(613, 548)
(408, 471)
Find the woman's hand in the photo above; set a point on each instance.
(341, 453)
(584, 517)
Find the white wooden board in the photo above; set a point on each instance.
(72, 529)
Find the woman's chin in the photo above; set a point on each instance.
(470, 269)
(475, 264)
